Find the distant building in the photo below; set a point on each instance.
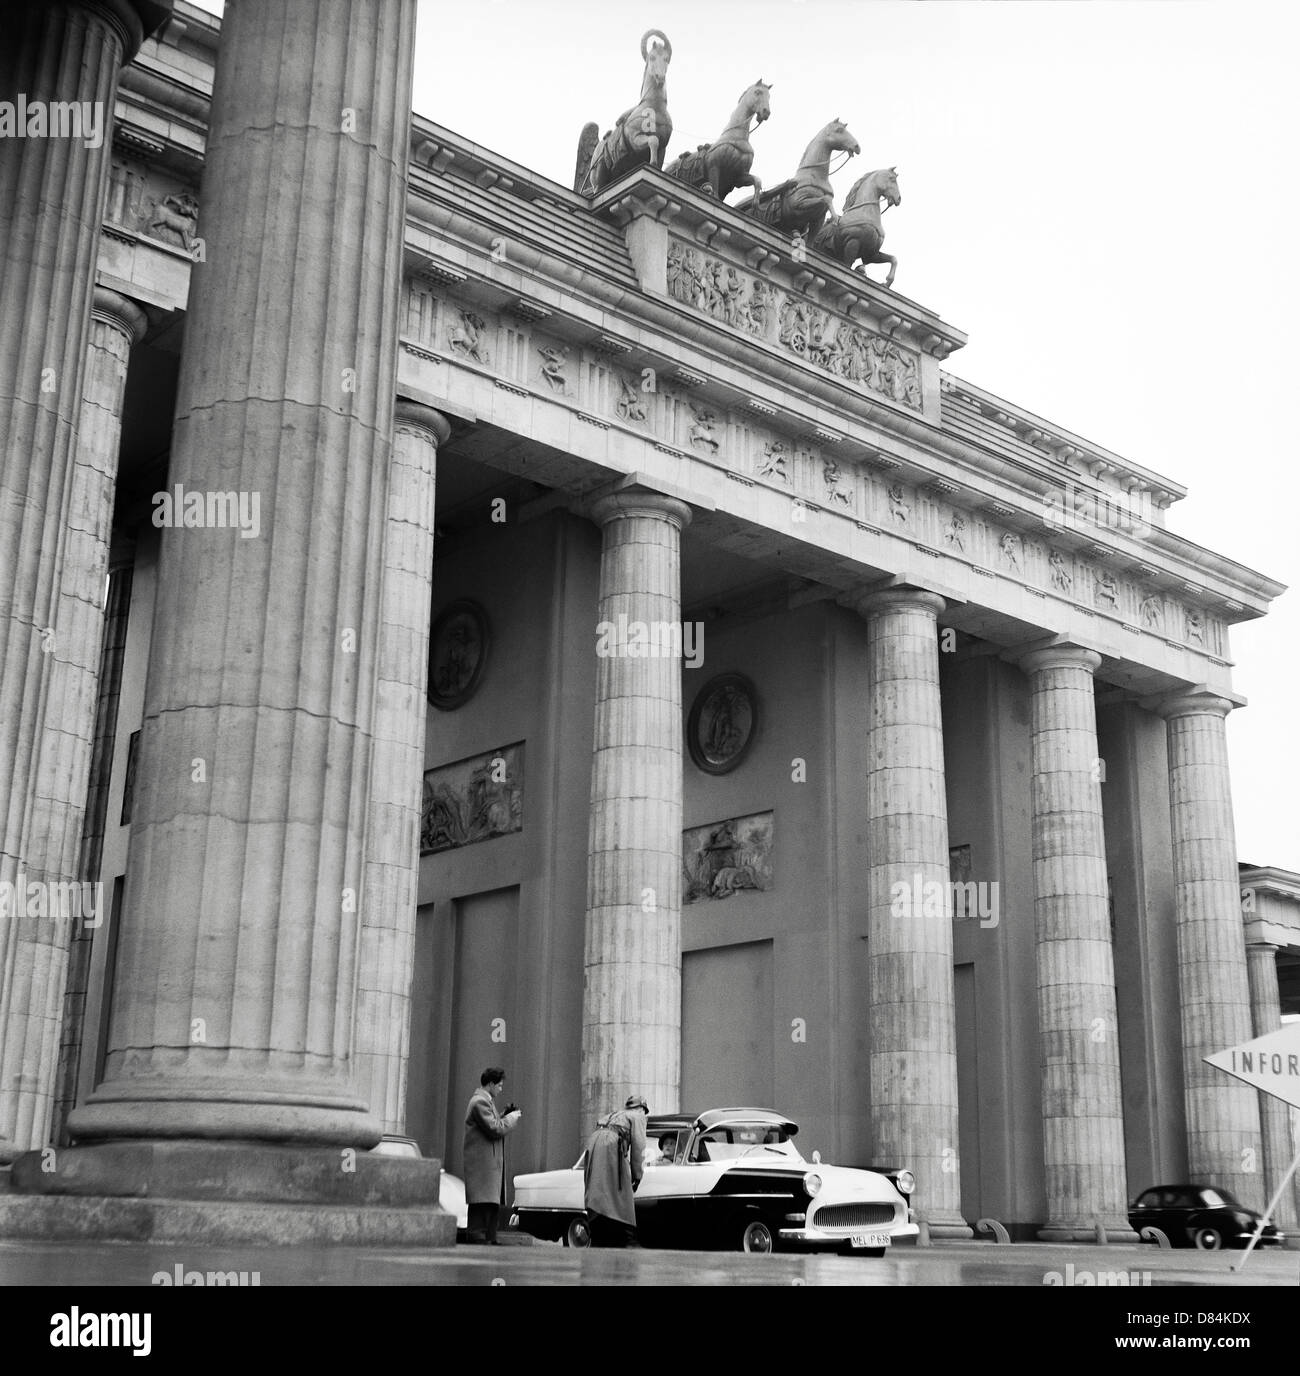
(592, 635)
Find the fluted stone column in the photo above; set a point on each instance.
(397, 768)
(234, 1004)
(57, 793)
(631, 1020)
(52, 186)
(1274, 1113)
(1223, 1132)
(1083, 1103)
(909, 910)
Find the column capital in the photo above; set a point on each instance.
(869, 602)
(1194, 703)
(134, 20)
(1064, 656)
(635, 501)
(415, 415)
(121, 312)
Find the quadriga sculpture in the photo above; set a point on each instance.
(718, 168)
(857, 233)
(641, 134)
(800, 205)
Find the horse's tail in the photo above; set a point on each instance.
(587, 142)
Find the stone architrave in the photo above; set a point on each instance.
(1083, 1105)
(235, 995)
(913, 1090)
(1223, 1127)
(390, 894)
(53, 188)
(631, 1023)
(1274, 1113)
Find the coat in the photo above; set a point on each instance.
(485, 1155)
(615, 1156)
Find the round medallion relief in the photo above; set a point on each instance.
(458, 647)
(722, 723)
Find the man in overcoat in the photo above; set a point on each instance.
(611, 1173)
(485, 1132)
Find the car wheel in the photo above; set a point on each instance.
(1208, 1239)
(757, 1237)
(576, 1233)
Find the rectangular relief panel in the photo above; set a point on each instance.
(473, 800)
(721, 859)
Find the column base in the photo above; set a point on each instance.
(208, 1223)
(948, 1228)
(1098, 1232)
(225, 1193)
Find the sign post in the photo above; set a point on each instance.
(1272, 1064)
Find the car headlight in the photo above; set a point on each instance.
(812, 1182)
(905, 1181)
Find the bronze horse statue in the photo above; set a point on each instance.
(800, 205)
(641, 134)
(720, 167)
(857, 233)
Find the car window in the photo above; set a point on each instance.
(663, 1149)
(737, 1140)
(1183, 1199)
(1215, 1199)
(1149, 1199)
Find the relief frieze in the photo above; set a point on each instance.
(832, 342)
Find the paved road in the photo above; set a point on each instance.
(955, 1264)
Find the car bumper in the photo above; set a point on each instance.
(812, 1236)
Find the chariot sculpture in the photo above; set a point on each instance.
(801, 205)
(640, 136)
(720, 167)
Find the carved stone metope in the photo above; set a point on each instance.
(147, 201)
(603, 384)
(831, 341)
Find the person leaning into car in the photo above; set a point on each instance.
(485, 1156)
(613, 1170)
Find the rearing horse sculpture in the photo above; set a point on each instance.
(800, 205)
(718, 168)
(641, 134)
(857, 233)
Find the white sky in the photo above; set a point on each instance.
(1101, 193)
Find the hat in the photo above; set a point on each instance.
(636, 1101)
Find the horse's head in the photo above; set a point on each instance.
(876, 186)
(657, 56)
(755, 101)
(837, 137)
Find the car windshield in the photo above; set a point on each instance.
(729, 1141)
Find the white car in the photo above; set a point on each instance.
(451, 1189)
(731, 1178)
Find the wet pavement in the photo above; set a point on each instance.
(549, 1264)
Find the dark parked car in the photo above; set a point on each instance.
(1203, 1216)
(732, 1177)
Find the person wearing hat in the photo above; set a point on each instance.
(612, 1171)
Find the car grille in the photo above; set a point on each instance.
(853, 1215)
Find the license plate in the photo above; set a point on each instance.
(870, 1240)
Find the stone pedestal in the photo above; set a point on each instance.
(631, 1023)
(1274, 1113)
(1083, 1106)
(233, 1005)
(1223, 1133)
(392, 880)
(52, 185)
(913, 1090)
